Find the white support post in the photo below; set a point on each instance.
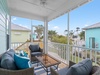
(31, 33)
(9, 28)
(46, 36)
(68, 52)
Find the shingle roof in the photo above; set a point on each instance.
(18, 27)
(97, 25)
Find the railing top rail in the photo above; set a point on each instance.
(77, 46)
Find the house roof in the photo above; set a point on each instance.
(34, 9)
(97, 25)
(18, 27)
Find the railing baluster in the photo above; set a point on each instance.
(90, 54)
(78, 54)
(95, 57)
(75, 54)
(72, 53)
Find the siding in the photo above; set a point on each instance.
(93, 33)
(19, 36)
(4, 17)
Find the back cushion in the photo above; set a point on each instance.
(34, 48)
(82, 68)
(7, 62)
(11, 52)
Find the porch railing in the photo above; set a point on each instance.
(77, 53)
(14, 45)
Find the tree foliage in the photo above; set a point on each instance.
(82, 35)
(39, 30)
(51, 33)
(60, 39)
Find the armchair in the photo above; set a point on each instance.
(35, 50)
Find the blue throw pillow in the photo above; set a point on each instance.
(21, 62)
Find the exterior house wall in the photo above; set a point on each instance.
(93, 33)
(4, 23)
(20, 36)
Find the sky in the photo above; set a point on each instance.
(81, 17)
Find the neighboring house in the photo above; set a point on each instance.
(92, 36)
(19, 33)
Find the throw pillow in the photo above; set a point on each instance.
(7, 62)
(23, 53)
(21, 62)
(82, 68)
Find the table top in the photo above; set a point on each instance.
(48, 60)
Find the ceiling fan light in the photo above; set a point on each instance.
(43, 2)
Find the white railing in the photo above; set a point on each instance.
(14, 45)
(77, 53)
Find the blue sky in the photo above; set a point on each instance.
(83, 16)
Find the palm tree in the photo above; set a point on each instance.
(52, 33)
(77, 29)
(82, 35)
(39, 30)
(70, 33)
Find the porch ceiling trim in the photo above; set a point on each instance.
(33, 10)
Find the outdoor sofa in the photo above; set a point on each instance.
(82, 68)
(8, 66)
(35, 50)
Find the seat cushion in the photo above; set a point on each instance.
(62, 71)
(82, 68)
(21, 62)
(34, 48)
(7, 62)
(97, 72)
(36, 53)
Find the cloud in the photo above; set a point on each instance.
(56, 27)
(14, 19)
(86, 25)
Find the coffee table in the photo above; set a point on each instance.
(47, 61)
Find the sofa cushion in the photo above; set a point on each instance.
(62, 71)
(34, 48)
(36, 53)
(82, 68)
(7, 62)
(11, 52)
(21, 62)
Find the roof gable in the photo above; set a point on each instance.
(18, 27)
(97, 25)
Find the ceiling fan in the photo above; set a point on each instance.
(42, 3)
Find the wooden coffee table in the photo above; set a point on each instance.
(47, 61)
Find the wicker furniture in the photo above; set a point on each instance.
(3, 71)
(47, 61)
(64, 70)
(28, 71)
(35, 50)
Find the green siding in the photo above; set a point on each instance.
(3, 25)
